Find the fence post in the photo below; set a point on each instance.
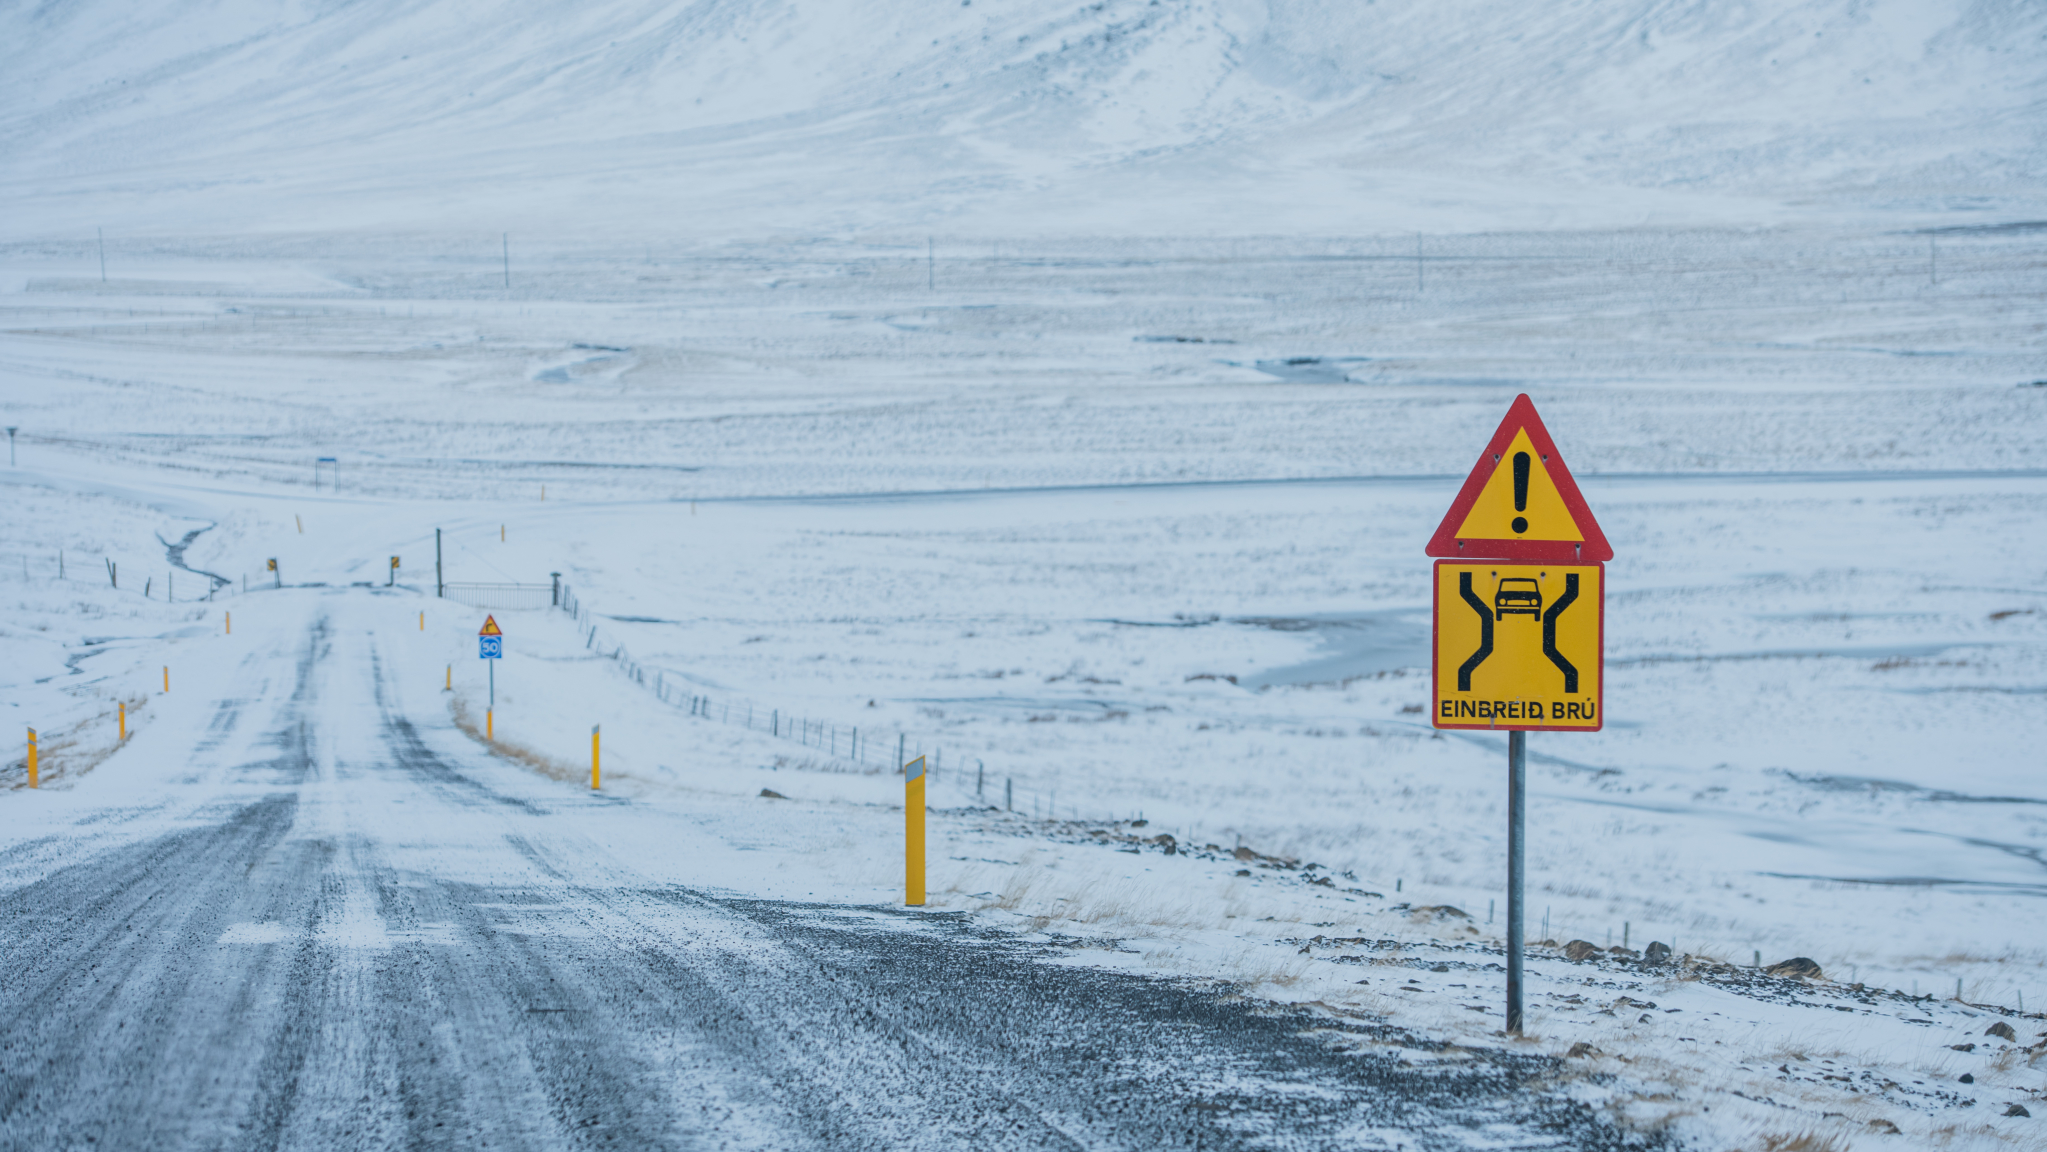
(899, 748)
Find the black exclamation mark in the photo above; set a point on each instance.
(1520, 491)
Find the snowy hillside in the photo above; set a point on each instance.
(1015, 116)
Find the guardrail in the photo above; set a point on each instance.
(504, 597)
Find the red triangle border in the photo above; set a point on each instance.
(1445, 542)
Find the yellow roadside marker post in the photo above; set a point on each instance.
(449, 684)
(227, 621)
(488, 733)
(123, 706)
(593, 757)
(422, 620)
(33, 765)
(913, 832)
(166, 678)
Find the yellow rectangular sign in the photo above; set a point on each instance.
(1519, 646)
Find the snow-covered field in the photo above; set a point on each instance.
(1069, 398)
(1114, 576)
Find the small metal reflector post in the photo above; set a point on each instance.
(1517, 846)
(913, 833)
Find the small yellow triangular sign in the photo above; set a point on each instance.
(490, 627)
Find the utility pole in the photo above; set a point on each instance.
(440, 589)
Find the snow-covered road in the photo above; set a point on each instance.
(304, 910)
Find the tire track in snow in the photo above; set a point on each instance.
(306, 972)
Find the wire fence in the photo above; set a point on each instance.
(850, 746)
(172, 583)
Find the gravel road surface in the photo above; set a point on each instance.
(333, 922)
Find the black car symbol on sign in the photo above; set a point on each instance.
(1518, 594)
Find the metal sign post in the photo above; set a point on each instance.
(490, 645)
(1517, 869)
(1519, 635)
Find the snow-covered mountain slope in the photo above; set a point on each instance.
(1012, 116)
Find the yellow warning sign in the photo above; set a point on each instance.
(490, 627)
(1520, 500)
(1519, 646)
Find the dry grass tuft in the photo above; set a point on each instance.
(1807, 1141)
(62, 756)
(540, 762)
